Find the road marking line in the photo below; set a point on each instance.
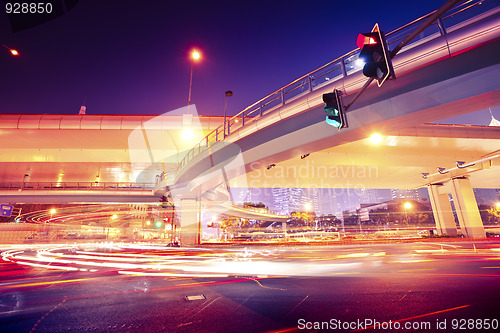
(45, 315)
(195, 297)
(44, 283)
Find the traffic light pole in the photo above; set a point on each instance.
(367, 83)
(440, 11)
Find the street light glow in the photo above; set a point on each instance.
(376, 138)
(407, 205)
(195, 55)
(187, 134)
(114, 217)
(52, 211)
(12, 51)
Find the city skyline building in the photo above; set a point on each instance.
(326, 201)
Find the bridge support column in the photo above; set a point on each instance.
(190, 231)
(466, 208)
(441, 209)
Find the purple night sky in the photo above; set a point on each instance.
(131, 57)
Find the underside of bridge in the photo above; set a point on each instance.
(394, 160)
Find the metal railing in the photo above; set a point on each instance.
(338, 69)
(75, 186)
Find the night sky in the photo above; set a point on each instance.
(132, 57)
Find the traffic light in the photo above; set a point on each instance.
(375, 54)
(158, 224)
(164, 201)
(334, 110)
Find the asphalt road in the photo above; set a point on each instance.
(406, 287)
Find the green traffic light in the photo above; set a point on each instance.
(158, 224)
(333, 109)
(333, 122)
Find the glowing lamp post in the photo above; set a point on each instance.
(113, 217)
(52, 212)
(406, 205)
(12, 51)
(195, 57)
(228, 93)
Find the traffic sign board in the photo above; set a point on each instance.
(6, 210)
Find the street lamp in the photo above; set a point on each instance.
(406, 205)
(12, 51)
(195, 57)
(113, 217)
(229, 93)
(52, 212)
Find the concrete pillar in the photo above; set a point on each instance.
(190, 229)
(466, 208)
(441, 209)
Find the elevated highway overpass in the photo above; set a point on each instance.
(445, 73)
(89, 158)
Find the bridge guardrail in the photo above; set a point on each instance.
(76, 186)
(338, 69)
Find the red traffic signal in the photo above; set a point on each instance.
(375, 54)
(364, 39)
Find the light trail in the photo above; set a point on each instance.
(127, 259)
(165, 261)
